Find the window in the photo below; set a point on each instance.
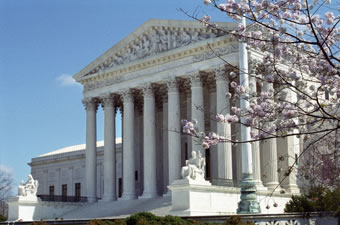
(77, 189)
(64, 190)
(52, 190)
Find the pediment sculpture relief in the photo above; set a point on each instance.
(153, 42)
(29, 188)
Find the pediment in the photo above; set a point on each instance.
(152, 38)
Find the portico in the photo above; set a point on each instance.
(163, 72)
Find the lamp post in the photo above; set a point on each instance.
(248, 203)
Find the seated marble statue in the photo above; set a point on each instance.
(194, 167)
(29, 188)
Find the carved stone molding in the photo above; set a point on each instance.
(127, 96)
(172, 85)
(102, 83)
(210, 82)
(154, 41)
(195, 79)
(90, 104)
(107, 100)
(216, 52)
(221, 74)
(148, 91)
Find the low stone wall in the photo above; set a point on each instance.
(30, 209)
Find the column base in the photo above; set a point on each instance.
(168, 194)
(128, 196)
(91, 199)
(272, 186)
(108, 198)
(294, 189)
(148, 195)
(259, 186)
(248, 203)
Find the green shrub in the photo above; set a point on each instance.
(106, 222)
(175, 220)
(146, 218)
(40, 223)
(96, 222)
(143, 218)
(237, 220)
(319, 199)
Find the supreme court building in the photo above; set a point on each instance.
(164, 71)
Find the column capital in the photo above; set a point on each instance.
(220, 74)
(127, 96)
(148, 91)
(107, 100)
(195, 79)
(90, 103)
(172, 85)
(210, 82)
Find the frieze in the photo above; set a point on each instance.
(216, 52)
(153, 42)
(102, 83)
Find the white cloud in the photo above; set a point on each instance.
(66, 80)
(6, 169)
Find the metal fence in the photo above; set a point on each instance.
(60, 198)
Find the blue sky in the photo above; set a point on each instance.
(42, 44)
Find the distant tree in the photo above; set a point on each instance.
(6, 182)
(299, 70)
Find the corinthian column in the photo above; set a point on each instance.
(288, 149)
(129, 186)
(197, 108)
(91, 149)
(269, 155)
(150, 178)
(224, 150)
(255, 146)
(109, 150)
(174, 133)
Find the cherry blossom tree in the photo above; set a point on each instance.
(299, 74)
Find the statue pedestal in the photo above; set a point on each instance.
(22, 208)
(200, 198)
(190, 197)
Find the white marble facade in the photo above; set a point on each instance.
(162, 72)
